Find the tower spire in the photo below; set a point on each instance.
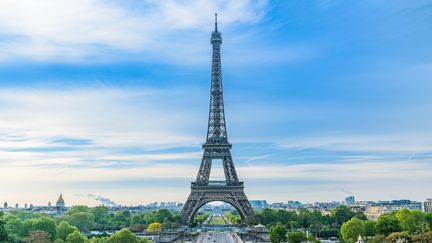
(216, 22)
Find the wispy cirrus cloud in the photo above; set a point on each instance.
(137, 137)
(104, 30)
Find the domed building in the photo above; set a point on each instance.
(60, 204)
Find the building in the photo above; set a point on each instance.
(349, 200)
(259, 204)
(373, 211)
(278, 205)
(294, 204)
(60, 204)
(428, 206)
(326, 205)
(5, 205)
(360, 206)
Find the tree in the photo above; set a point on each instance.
(100, 213)
(428, 218)
(78, 209)
(352, 229)
(369, 227)
(377, 239)
(99, 240)
(387, 224)
(341, 214)
(154, 227)
(82, 220)
(137, 219)
(123, 218)
(161, 214)
(393, 237)
(123, 236)
(294, 225)
(145, 240)
(75, 237)
(327, 233)
(15, 228)
(410, 220)
(24, 215)
(268, 217)
(38, 236)
(278, 233)
(3, 234)
(45, 224)
(296, 237)
(421, 238)
(64, 229)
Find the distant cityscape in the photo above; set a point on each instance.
(372, 209)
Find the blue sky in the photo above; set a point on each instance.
(323, 98)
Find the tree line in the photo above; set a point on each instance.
(75, 225)
(403, 225)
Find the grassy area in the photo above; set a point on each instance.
(215, 220)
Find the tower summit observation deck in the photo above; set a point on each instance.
(216, 146)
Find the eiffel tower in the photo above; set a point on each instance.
(216, 146)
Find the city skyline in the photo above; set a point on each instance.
(319, 105)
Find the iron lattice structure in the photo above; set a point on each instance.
(216, 147)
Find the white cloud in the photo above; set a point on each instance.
(74, 30)
(56, 139)
(394, 143)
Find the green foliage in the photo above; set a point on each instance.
(421, 238)
(341, 214)
(75, 237)
(327, 233)
(100, 213)
(145, 240)
(234, 218)
(64, 229)
(84, 221)
(278, 233)
(3, 233)
(38, 236)
(78, 209)
(162, 214)
(123, 236)
(377, 239)
(428, 218)
(387, 224)
(137, 219)
(217, 220)
(15, 226)
(24, 214)
(44, 224)
(201, 217)
(393, 237)
(352, 229)
(99, 240)
(296, 237)
(369, 228)
(293, 225)
(410, 220)
(122, 218)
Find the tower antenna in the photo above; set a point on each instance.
(216, 22)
